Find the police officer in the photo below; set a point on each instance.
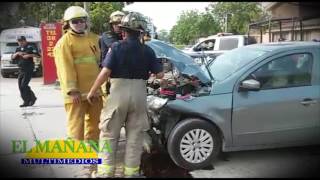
(24, 55)
(128, 65)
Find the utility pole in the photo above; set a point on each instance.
(226, 22)
(226, 26)
(48, 11)
(86, 6)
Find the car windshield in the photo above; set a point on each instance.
(231, 61)
(10, 48)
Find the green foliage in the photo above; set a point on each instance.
(163, 35)
(243, 13)
(99, 15)
(33, 13)
(181, 47)
(192, 25)
(44, 11)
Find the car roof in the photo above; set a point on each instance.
(282, 46)
(226, 36)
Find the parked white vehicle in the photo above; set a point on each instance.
(8, 45)
(217, 44)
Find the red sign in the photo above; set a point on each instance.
(50, 34)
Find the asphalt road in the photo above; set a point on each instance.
(46, 120)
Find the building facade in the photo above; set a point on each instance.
(290, 21)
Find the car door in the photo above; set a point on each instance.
(286, 109)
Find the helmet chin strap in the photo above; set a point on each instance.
(142, 38)
(80, 33)
(84, 31)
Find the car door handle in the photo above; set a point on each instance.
(308, 101)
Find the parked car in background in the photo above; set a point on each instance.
(218, 44)
(253, 97)
(8, 45)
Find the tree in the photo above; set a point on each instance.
(100, 12)
(192, 25)
(163, 35)
(241, 14)
(33, 13)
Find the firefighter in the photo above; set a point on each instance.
(106, 41)
(77, 57)
(128, 64)
(113, 35)
(24, 55)
(147, 36)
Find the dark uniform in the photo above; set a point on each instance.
(130, 63)
(105, 42)
(25, 73)
(125, 61)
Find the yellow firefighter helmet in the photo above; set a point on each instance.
(116, 17)
(74, 12)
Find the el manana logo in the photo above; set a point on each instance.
(62, 151)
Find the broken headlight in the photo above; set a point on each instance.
(155, 103)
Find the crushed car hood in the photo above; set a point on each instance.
(183, 62)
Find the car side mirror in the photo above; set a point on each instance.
(249, 85)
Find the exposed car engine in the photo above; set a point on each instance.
(175, 85)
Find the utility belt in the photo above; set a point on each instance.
(26, 66)
(108, 83)
(128, 76)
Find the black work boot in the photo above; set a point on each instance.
(32, 101)
(24, 104)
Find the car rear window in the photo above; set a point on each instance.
(228, 43)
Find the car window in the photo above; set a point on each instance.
(10, 48)
(228, 43)
(231, 61)
(206, 45)
(287, 71)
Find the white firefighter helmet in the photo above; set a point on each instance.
(116, 17)
(134, 21)
(74, 12)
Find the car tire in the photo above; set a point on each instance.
(182, 132)
(5, 75)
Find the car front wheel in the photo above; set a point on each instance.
(194, 143)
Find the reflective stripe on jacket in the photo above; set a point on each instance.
(76, 58)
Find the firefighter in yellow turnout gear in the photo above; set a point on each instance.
(77, 56)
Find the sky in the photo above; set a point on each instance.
(165, 14)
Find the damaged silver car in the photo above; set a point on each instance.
(245, 99)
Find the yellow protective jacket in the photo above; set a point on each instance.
(76, 58)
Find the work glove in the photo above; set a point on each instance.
(147, 142)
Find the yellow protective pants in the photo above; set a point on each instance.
(126, 105)
(80, 127)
